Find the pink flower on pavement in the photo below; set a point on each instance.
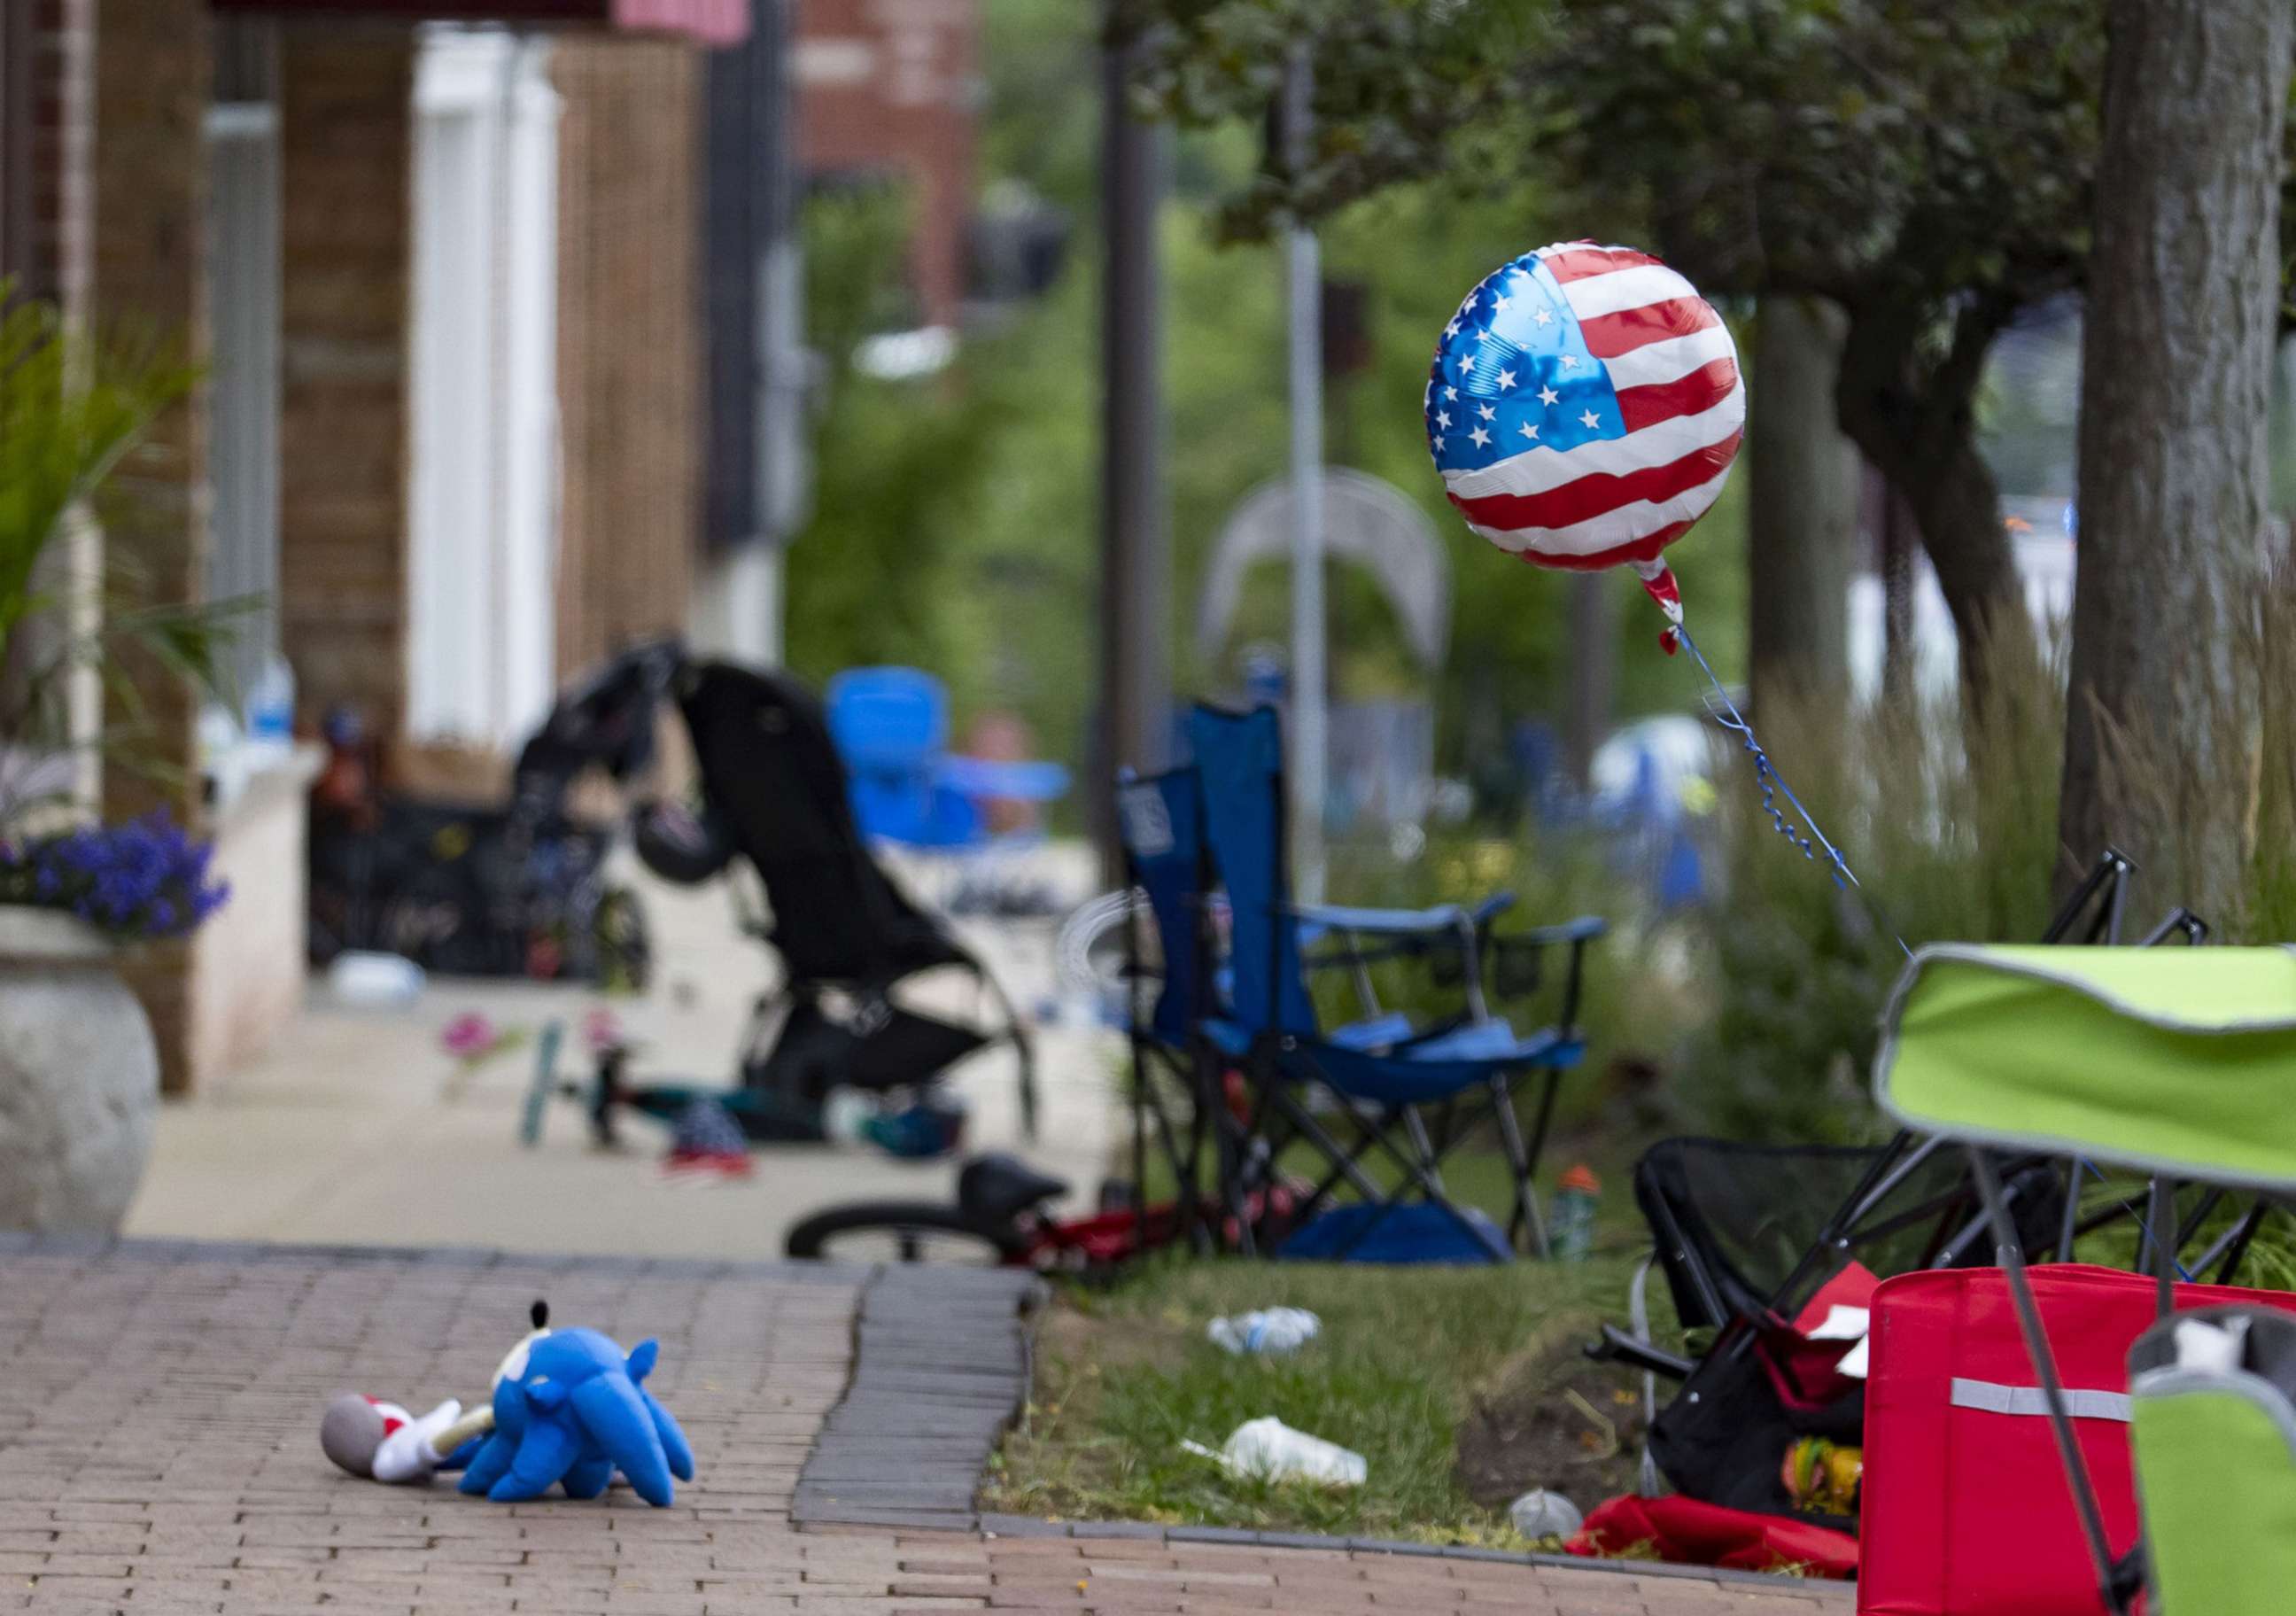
(469, 1035)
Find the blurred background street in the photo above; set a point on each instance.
(357, 1126)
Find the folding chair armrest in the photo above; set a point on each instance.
(1435, 920)
(1438, 920)
(1617, 1347)
(1575, 934)
(1489, 910)
(1583, 928)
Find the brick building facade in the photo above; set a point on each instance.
(115, 199)
(631, 343)
(890, 88)
(345, 241)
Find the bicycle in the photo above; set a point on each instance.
(1000, 1218)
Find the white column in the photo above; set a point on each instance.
(530, 445)
(483, 511)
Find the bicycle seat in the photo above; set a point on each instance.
(997, 1187)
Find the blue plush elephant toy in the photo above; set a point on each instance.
(570, 1408)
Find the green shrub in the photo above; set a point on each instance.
(1949, 819)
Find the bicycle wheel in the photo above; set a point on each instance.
(904, 1230)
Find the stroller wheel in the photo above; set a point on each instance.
(905, 1231)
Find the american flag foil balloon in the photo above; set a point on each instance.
(1583, 408)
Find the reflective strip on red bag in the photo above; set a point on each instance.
(1989, 1398)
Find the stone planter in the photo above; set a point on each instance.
(80, 1078)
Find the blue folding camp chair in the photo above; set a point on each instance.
(1409, 1096)
(1174, 1090)
(891, 728)
(1180, 1100)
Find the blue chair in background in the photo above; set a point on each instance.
(1180, 982)
(1176, 1080)
(1406, 1097)
(891, 728)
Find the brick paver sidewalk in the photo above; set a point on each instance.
(159, 1412)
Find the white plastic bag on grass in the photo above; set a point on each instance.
(1265, 1330)
(1268, 1448)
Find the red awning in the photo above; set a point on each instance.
(711, 21)
(705, 21)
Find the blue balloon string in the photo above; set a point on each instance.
(1808, 838)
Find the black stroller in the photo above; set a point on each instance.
(773, 792)
(1755, 1241)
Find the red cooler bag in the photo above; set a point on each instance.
(1965, 1509)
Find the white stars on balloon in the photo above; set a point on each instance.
(1529, 430)
(1590, 420)
(1468, 363)
(1569, 361)
(1486, 412)
(1543, 318)
(1479, 437)
(1506, 380)
(1443, 419)
(1547, 396)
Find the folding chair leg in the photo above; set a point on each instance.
(1228, 1149)
(2044, 1365)
(1428, 1158)
(1526, 1221)
(2231, 1248)
(2069, 1229)
(1510, 1141)
(2164, 1246)
(1531, 1154)
(1419, 1174)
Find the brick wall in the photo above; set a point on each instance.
(149, 87)
(345, 241)
(56, 215)
(629, 354)
(889, 85)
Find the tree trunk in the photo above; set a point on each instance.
(2162, 742)
(1917, 422)
(1900, 650)
(1802, 528)
(1593, 674)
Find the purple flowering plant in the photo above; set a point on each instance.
(146, 879)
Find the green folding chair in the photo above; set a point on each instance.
(2180, 1064)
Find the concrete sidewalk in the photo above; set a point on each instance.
(357, 1128)
(158, 1453)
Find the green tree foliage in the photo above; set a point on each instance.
(1924, 164)
(894, 490)
(957, 516)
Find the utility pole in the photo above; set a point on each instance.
(1310, 747)
(1135, 612)
(758, 459)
